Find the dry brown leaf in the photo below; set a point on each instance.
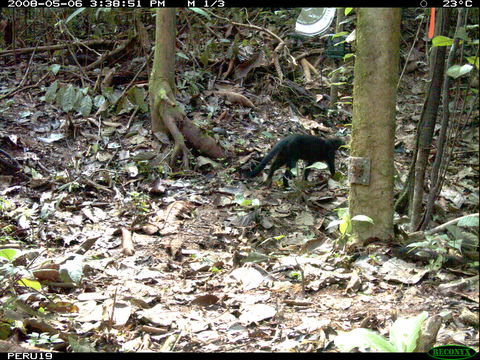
(243, 69)
(205, 300)
(235, 98)
(173, 216)
(175, 246)
(47, 274)
(61, 307)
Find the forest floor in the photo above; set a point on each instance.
(218, 263)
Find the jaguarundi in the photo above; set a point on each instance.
(298, 146)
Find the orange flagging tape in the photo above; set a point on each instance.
(431, 27)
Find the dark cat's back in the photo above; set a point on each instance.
(299, 146)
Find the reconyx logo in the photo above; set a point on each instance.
(447, 352)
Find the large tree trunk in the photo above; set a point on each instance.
(166, 115)
(373, 131)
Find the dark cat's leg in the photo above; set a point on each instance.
(307, 171)
(279, 161)
(331, 163)
(288, 172)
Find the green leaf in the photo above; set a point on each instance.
(9, 254)
(239, 199)
(342, 213)
(137, 96)
(405, 332)
(348, 56)
(74, 14)
(99, 100)
(471, 220)
(86, 105)
(348, 11)
(441, 41)
(246, 202)
(456, 242)
(112, 95)
(107, 91)
(59, 96)
(461, 33)
(458, 70)
(363, 338)
(124, 106)
(342, 33)
(68, 99)
(317, 165)
(474, 60)
(51, 91)
(84, 91)
(78, 99)
(182, 55)
(344, 227)
(201, 12)
(364, 218)
(205, 56)
(56, 339)
(79, 344)
(30, 283)
(54, 68)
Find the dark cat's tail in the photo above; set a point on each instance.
(265, 160)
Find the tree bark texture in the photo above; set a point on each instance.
(426, 127)
(166, 115)
(436, 179)
(373, 131)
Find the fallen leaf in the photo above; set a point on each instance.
(205, 300)
(249, 277)
(256, 313)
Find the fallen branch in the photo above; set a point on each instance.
(95, 185)
(306, 70)
(20, 89)
(448, 223)
(309, 53)
(127, 242)
(57, 47)
(109, 54)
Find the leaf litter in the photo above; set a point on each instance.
(205, 270)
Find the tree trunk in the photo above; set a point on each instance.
(166, 115)
(336, 76)
(436, 180)
(373, 130)
(426, 126)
